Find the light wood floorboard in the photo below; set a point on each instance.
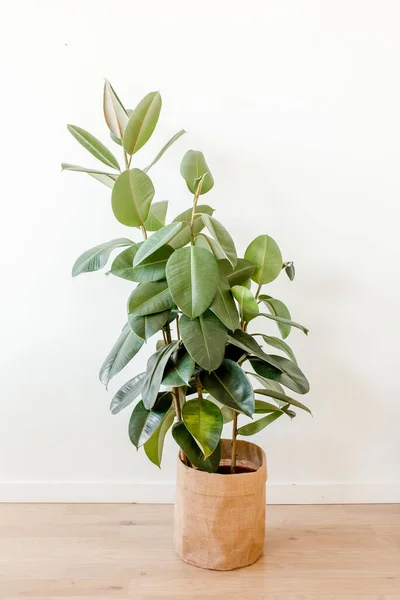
(116, 551)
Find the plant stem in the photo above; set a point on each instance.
(167, 329)
(199, 387)
(178, 333)
(195, 201)
(233, 450)
(126, 160)
(258, 290)
(177, 403)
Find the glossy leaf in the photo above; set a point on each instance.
(156, 217)
(222, 237)
(165, 148)
(155, 444)
(150, 298)
(283, 398)
(268, 383)
(122, 265)
(277, 343)
(183, 237)
(257, 426)
(246, 342)
(193, 167)
(203, 420)
(114, 112)
(107, 178)
(156, 241)
(127, 345)
(94, 146)
(191, 449)
(131, 197)
(288, 374)
(143, 423)
(155, 373)
(262, 407)
(248, 306)
(223, 305)
(152, 268)
(142, 122)
(193, 278)
(204, 338)
(96, 258)
(240, 274)
(265, 254)
(179, 369)
(286, 321)
(230, 386)
(127, 394)
(147, 325)
(279, 309)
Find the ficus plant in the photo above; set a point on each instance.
(188, 287)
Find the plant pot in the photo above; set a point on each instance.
(219, 520)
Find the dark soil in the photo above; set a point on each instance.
(226, 470)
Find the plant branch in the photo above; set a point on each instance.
(258, 290)
(234, 438)
(199, 387)
(195, 201)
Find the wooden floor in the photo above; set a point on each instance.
(104, 551)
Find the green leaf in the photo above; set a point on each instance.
(147, 325)
(290, 270)
(156, 216)
(283, 398)
(183, 237)
(281, 320)
(204, 338)
(248, 306)
(223, 305)
(114, 112)
(268, 384)
(240, 274)
(122, 265)
(179, 369)
(127, 394)
(97, 257)
(165, 148)
(262, 407)
(230, 386)
(131, 197)
(94, 146)
(265, 254)
(246, 342)
(127, 345)
(142, 122)
(203, 420)
(143, 423)
(107, 178)
(193, 167)
(150, 298)
(288, 374)
(277, 343)
(155, 444)
(222, 238)
(156, 241)
(189, 446)
(257, 426)
(279, 309)
(193, 277)
(155, 373)
(154, 267)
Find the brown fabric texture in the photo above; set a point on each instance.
(220, 519)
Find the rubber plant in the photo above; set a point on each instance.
(188, 286)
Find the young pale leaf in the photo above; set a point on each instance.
(191, 449)
(288, 373)
(96, 258)
(114, 112)
(248, 306)
(265, 254)
(193, 167)
(142, 122)
(282, 398)
(223, 305)
(222, 238)
(107, 178)
(204, 338)
(147, 325)
(156, 217)
(164, 149)
(127, 345)
(131, 197)
(193, 278)
(155, 444)
(122, 265)
(179, 369)
(94, 146)
(229, 385)
(183, 237)
(155, 373)
(156, 241)
(143, 422)
(277, 343)
(127, 394)
(203, 419)
(257, 426)
(150, 298)
(279, 309)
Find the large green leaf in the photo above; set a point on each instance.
(204, 338)
(127, 394)
(203, 419)
(155, 373)
(282, 398)
(241, 274)
(224, 306)
(150, 298)
(114, 112)
(229, 385)
(223, 238)
(96, 258)
(183, 237)
(156, 217)
(107, 178)
(262, 407)
(154, 267)
(142, 122)
(191, 449)
(165, 148)
(265, 254)
(143, 422)
(257, 426)
(246, 342)
(193, 277)
(122, 265)
(279, 309)
(288, 373)
(267, 383)
(193, 167)
(179, 369)
(147, 325)
(94, 146)
(127, 345)
(156, 241)
(131, 197)
(248, 306)
(277, 343)
(155, 444)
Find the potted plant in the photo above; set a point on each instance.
(188, 287)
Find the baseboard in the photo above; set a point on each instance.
(163, 492)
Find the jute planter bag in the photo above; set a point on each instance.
(220, 519)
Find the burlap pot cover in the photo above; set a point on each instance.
(220, 519)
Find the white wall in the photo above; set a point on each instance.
(296, 107)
